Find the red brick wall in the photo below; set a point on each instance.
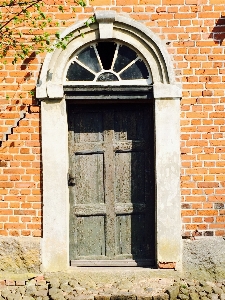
(193, 31)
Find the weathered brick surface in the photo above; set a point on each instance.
(194, 32)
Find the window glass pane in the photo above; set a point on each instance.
(78, 73)
(124, 57)
(135, 71)
(88, 58)
(106, 52)
(107, 76)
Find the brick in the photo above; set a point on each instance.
(209, 220)
(102, 2)
(166, 265)
(14, 226)
(197, 220)
(148, 2)
(10, 282)
(2, 282)
(6, 184)
(36, 233)
(3, 164)
(207, 213)
(188, 212)
(24, 212)
(220, 232)
(196, 205)
(208, 233)
(208, 156)
(140, 16)
(195, 198)
(127, 2)
(220, 220)
(208, 184)
(217, 198)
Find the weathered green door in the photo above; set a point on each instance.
(111, 183)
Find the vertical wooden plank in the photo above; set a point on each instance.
(109, 166)
(123, 235)
(149, 180)
(123, 177)
(130, 177)
(71, 171)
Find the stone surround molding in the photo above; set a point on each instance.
(167, 94)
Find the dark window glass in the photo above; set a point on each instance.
(136, 71)
(106, 52)
(88, 58)
(124, 57)
(78, 73)
(107, 76)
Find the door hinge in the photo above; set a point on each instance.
(70, 180)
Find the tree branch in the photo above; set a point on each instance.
(19, 13)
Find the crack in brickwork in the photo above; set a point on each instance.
(4, 135)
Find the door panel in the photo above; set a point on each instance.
(112, 203)
(90, 236)
(131, 236)
(130, 185)
(89, 179)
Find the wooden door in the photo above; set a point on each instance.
(111, 183)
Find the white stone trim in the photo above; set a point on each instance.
(105, 22)
(55, 90)
(165, 91)
(167, 163)
(55, 242)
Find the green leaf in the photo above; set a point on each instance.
(31, 93)
(82, 3)
(60, 8)
(57, 34)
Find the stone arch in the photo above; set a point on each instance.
(109, 26)
(167, 94)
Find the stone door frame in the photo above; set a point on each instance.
(167, 94)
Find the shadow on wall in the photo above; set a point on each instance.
(218, 32)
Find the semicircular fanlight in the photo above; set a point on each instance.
(107, 62)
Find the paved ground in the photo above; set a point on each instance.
(108, 284)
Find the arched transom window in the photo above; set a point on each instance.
(107, 63)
